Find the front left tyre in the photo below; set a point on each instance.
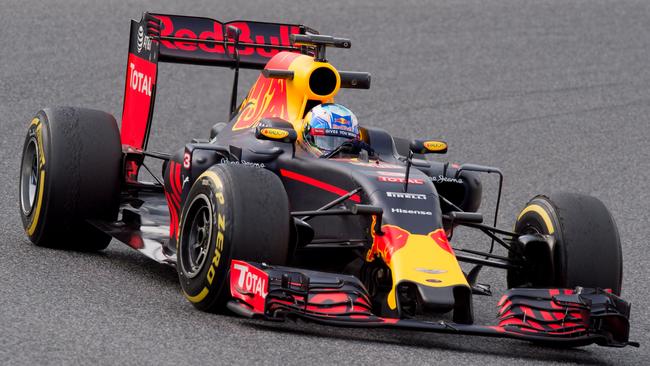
(231, 212)
(69, 174)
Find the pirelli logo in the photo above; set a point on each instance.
(412, 196)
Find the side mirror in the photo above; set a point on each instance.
(422, 147)
(276, 129)
(428, 146)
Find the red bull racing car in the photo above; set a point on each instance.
(259, 222)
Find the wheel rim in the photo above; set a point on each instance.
(197, 231)
(29, 177)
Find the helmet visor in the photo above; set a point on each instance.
(327, 139)
(329, 143)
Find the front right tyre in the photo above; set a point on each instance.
(586, 250)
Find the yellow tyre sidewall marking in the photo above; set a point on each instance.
(204, 292)
(199, 297)
(541, 212)
(41, 180)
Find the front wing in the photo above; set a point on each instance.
(567, 317)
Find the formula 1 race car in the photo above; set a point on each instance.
(258, 225)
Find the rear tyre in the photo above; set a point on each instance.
(231, 212)
(70, 172)
(587, 249)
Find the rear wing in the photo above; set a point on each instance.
(212, 45)
(191, 40)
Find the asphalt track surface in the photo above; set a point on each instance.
(555, 93)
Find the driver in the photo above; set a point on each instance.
(327, 126)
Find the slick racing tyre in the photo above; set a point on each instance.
(69, 173)
(587, 249)
(231, 212)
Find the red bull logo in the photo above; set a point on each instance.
(384, 246)
(268, 97)
(440, 238)
(342, 121)
(395, 238)
(427, 260)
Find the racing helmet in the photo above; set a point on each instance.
(329, 125)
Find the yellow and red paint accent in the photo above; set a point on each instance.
(435, 146)
(274, 133)
(283, 98)
(413, 257)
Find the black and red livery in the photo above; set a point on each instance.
(256, 224)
